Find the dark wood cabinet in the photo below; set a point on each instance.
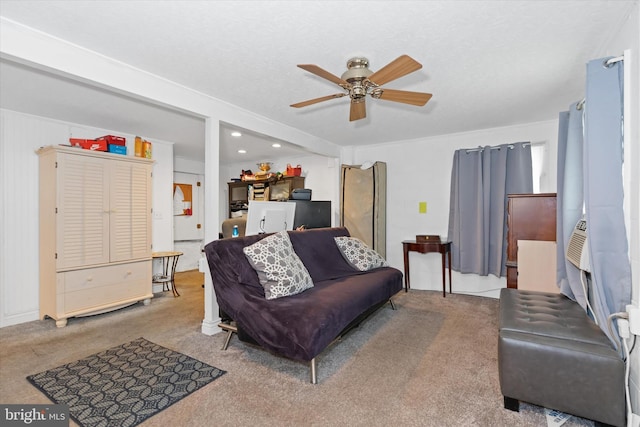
(529, 217)
(278, 189)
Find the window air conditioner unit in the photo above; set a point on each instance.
(578, 248)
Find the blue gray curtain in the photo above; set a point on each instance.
(570, 199)
(481, 179)
(609, 283)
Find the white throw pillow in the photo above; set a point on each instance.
(358, 254)
(280, 270)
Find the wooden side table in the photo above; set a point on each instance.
(423, 248)
(169, 263)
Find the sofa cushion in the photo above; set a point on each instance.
(548, 314)
(358, 254)
(320, 254)
(279, 269)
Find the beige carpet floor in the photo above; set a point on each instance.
(431, 362)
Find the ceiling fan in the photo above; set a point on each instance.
(359, 81)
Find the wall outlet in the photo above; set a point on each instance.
(157, 215)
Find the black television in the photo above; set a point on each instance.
(312, 214)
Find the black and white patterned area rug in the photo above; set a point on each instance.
(125, 385)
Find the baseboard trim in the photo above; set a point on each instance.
(16, 319)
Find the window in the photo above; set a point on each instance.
(537, 164)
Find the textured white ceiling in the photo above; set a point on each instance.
(487, 63)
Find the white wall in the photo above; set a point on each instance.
(162, 196)
(22, 134)
(420, 171)
(181, 164)
(19, 279)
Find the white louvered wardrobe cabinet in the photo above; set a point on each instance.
(95, 232)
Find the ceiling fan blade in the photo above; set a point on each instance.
(397, 68)
(323, 73)
(358, 110)
(316, 100)
(406, 97)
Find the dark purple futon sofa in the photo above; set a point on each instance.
(300, 326)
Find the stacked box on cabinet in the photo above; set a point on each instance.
(88, 144)
(113, 140)
(115, 144)
(117, 149)
(110, 143)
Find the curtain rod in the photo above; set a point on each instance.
(609, 62)
(510, 146)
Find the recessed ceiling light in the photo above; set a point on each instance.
(242, 151)
(276, 145)
(236, 134)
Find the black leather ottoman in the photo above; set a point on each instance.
(551, 354)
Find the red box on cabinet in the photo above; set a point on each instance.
(113, 140)
(89, 144)
(77, 142)
(96, 145)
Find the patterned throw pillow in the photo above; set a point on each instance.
(280, 270)
(358, 254)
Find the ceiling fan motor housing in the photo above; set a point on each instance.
(357, 71)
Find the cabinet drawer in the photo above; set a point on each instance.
(103, 286)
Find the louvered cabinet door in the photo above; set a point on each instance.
(83, 211)
(130, 206)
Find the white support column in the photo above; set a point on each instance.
(211, 214)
